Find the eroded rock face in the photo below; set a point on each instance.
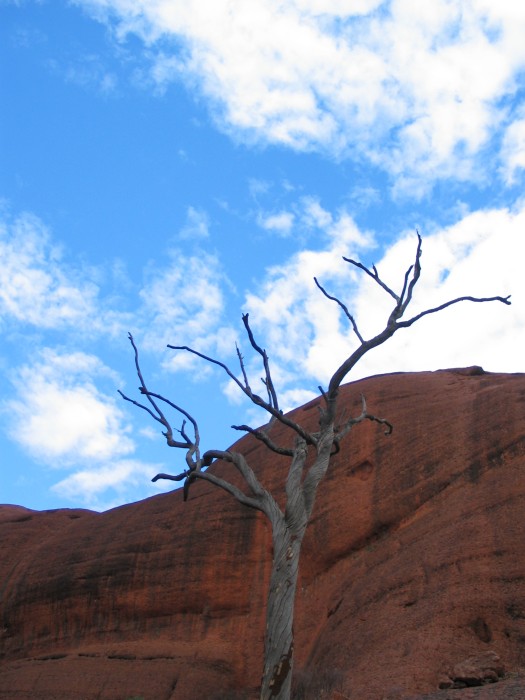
(477, 670)
(414, 563)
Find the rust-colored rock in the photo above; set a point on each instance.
(414, 562)
(476, 670)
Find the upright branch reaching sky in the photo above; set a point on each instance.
(302, 481)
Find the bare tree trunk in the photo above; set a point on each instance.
(278, 652)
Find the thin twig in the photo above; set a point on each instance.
(374, 275)
(480, 300)
(268, 382)
(263, 437)
(343, 306)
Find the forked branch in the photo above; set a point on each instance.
(271, 405)
(267, 381)
(394, 322)
(347, 313)
(364, 415)
(157, 414)
(263, 436)
(197, 466)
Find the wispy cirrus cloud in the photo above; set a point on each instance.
(34, 286)
(297, 322)
(87, 72)
(184, 303)
(419, 89)
(280, 222)
(38, 287)
(196, 226)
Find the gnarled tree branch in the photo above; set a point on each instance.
(271, 406)
(343, 306)
(263, 436)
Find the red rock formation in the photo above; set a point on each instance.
(414, 563)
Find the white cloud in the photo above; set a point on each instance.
(513, 148)
(298, 323)
(33, 286)
(281, 223)
(184, 304)
(415, 87)
(480, 256)
(92, 485)
(337, 7)
(149, 433)
(258, 187)
(197, 224)
(38, 288)
(60, 416)
(64, 411)
(313, 215)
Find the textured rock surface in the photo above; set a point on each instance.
(414, 562)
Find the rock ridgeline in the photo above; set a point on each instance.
(412, 577)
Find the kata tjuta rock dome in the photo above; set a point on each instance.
(413, 568)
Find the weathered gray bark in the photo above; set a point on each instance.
(278, 644)
(302, 481)
(288, 530)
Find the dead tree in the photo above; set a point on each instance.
(288, 525)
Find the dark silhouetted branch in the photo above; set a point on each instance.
(394, 322)
(156, 413)
(373, 274)
(343, 306)
(479, 300)
(364, 415)
(267, 381)
(264, 438)
(272, 405)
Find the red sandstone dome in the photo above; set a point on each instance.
(412, 578)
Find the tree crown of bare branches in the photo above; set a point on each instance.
(196, 463)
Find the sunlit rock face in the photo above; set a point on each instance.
(413, 567)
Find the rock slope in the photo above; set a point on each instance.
(413, 566)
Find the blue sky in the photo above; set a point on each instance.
(166, 166)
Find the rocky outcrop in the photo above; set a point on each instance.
(414, 564)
